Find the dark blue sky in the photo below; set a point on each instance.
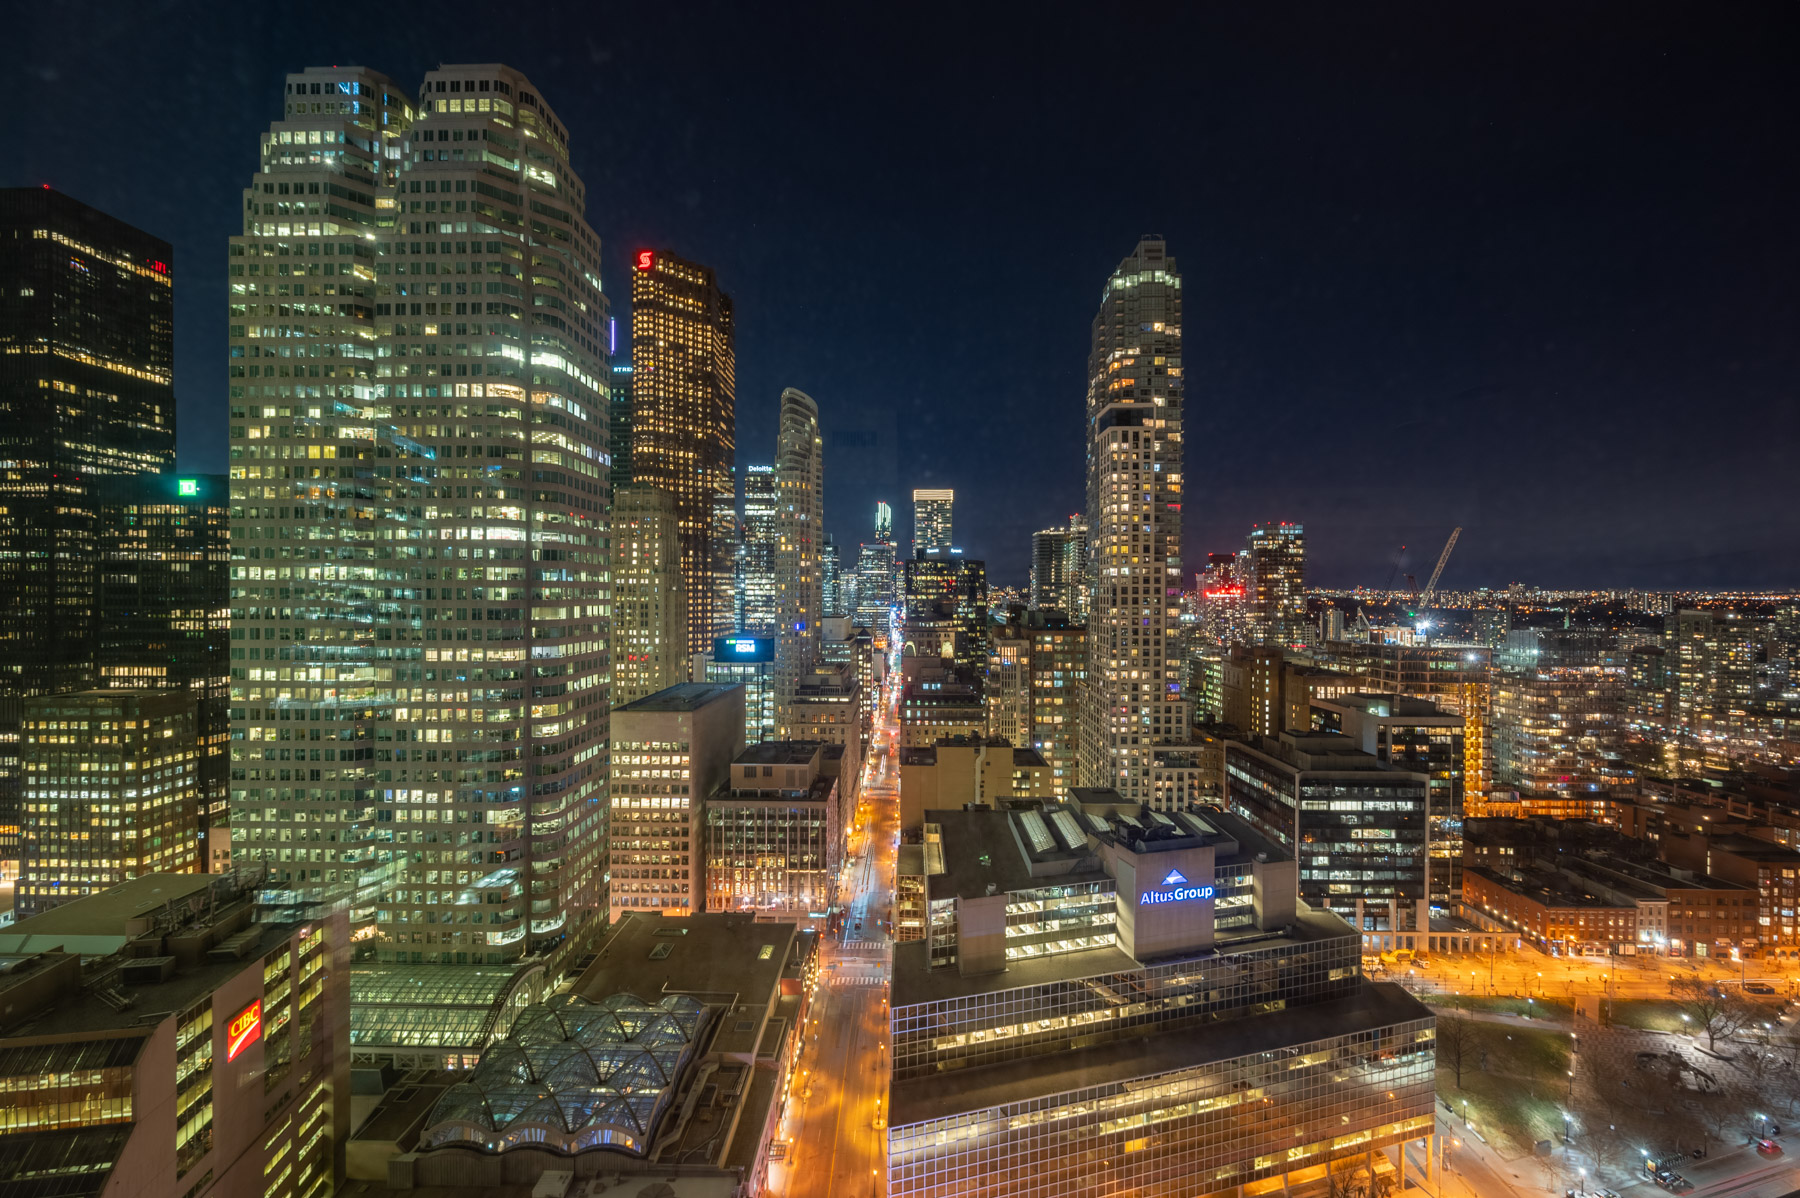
(1533, 270)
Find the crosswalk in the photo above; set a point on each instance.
(866, 945)
(851, 980)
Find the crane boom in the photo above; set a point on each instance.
(1431, 587)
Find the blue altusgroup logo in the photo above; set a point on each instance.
(1175, 878)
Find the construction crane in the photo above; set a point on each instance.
(1389, 585)
(1431, 587)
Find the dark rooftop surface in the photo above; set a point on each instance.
(982, 850)
(711, 957)
(778, 752)
(106, 913)
(688, 696)
(1549, 889)
(958, 1091)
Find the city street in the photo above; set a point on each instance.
(834, 1123)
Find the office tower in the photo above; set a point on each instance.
(931, 519)
(1415, 735)
(649, 650)
(670, 752)
(1096, 1015)
(947, 610)
(875, 565)
(111, 792)
(1133, 699)
(165, 564)
(684, 421)
(618, 419)
(87, 390)
(443, 456)
(1276, 585)
(749, 662)
(1357, 823)
(775, 838)
(756, 590)
(831, 580)
(884, 521)
(185, 1043)
(799, 538)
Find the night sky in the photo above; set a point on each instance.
(1533, 272)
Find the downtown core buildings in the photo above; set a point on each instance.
(418, 497)
(1133, 700)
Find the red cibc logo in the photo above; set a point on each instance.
(245, 1030)
(646, 259)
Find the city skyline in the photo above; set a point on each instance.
(1654, 289)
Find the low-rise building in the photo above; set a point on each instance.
(774, 840)
(961, 770)
(1146, 985)
(1552, 910)
(169, 1037)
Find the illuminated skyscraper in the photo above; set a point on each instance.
(931, 519)
(831, 580)
(87, 353)
(1277, 584)
(875, 588)
(649, 604)
(799, 538)
(1133, 699)
(418, 499)
(684, 423)
(884, 521)
(756, 586)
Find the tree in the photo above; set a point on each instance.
(1715, 1010)
(1459, 1041)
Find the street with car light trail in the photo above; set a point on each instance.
(836, 1145)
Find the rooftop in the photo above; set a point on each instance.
(937, 1096)
(723, 957)
(427, 1006)
(1548, 888)
(98, 923)
(778, 752)
(687, 696)
(915, 982)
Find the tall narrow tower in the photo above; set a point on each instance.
(932, 526)
(418, 499)
(1133, 699)
(799, 540)
(756, 591)
(684, 424)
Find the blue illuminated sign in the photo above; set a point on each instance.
(1181, 893)
(744, 649)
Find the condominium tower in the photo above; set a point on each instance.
(1277, 584)
(684, 423)
(931, 519)
(418, 488)
(799, 538)
(1133, 698)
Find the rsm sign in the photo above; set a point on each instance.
(1179, 891)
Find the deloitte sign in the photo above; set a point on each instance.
(1180, 893)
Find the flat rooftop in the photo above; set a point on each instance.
(687, 696)
(711, 957)
(982, 849)
(778, 752)
(1548, 889)
(961, 1091)
(915, 982)
(106, 913)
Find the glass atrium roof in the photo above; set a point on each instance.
(425, 1006)
(573, 1074)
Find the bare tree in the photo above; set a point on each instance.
(1459, 1041)
(1716, 1010)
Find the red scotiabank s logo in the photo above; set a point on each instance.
(646, 259)
(245, 1029)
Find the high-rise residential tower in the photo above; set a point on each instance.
(1049, 557)
(87, 350)
(756, 585)
(931, 519)
(1133, 700)
(684, 423)
(799, 539)
(1277, 584)
(419, 489)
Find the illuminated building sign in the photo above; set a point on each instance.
(245, 1029)
(187, 487)
(744, 648)
(1181, 892)
(646, 259)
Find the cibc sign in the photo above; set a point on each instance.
(1178, 891)
(244, 1030)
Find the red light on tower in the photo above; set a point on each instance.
(646, 259)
